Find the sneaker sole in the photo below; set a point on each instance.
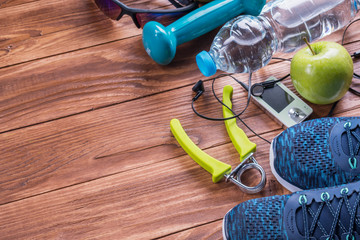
(223, 226)
(283, 182)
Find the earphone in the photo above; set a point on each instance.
(199, 90)
(258, 88)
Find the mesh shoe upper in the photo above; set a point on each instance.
(302, 155)
(327, 213)
(256, 218)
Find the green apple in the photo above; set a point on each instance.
(322, 72)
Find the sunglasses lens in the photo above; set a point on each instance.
(181, 2)
(163, 18)
(109, 8)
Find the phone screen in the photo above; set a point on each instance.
(277, 98)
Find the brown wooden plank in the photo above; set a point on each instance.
(209, 231)
(22, 46)
(41, 33)
(115, 172)
(76, 82)
(86, 80)
(9, 3)
(52, 155)
(78, 62)
(38, 29)
(41, 17)
(108, 132)
(45, 153)
(173, 195)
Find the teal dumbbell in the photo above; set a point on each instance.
(160, 42)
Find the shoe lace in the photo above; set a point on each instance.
(349, 133)
(325, 197)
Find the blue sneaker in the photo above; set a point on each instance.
(328, 213)
(317, 153)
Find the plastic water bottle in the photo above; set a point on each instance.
(247, 43)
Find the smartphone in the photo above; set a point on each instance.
(284, 106)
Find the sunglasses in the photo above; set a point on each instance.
(114, 9)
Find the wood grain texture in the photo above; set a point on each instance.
(49, 28)
(173, 195)
(211, 231)
(103, 75)
(74, 153)
(85, 143)
(49, 155)
(68, 84)
(9, 3)
(87, 79)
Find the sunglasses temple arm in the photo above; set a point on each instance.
(175, 3)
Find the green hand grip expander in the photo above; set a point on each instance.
(243, 145)
(216, 168)
(238, 137)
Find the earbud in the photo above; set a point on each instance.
(199, 89)
(258, 88)
(357, 54)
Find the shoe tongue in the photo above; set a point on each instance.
(345, 145)
(341, 142)
(294, 219)
(326, 218)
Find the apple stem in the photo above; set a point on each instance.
(308, 44)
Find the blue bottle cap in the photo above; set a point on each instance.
(206, 63)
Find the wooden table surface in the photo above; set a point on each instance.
(85, 142)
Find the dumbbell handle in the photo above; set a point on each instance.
(160, 42)
(205, 19)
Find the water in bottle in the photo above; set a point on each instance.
(247, 43)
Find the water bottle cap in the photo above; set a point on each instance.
(206, 63)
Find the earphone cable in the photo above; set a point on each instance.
(354, 55)
(247, 104)
(213, 90)
(343, 36)
(236, 115)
